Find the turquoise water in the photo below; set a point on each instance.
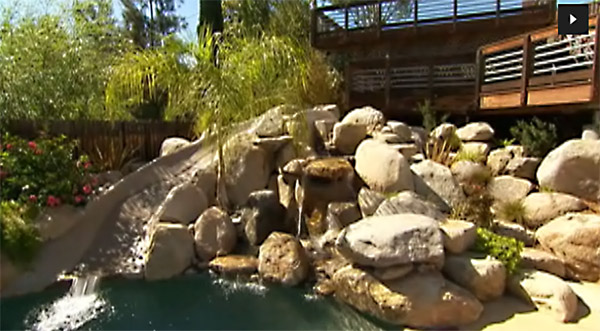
(189, 302)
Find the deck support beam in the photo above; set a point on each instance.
(595, 93)
(527, 68)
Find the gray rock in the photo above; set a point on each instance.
(372, 118)
(498, 159)
(575, 239)
(184, 204)
(388, 138)
(458, 235)
(206, 180)
(391, 172)
(508, 188)
(573, 168)
(541, 207)
(485, 278)
(545, 290)
(384, 241)
(214, 234)
(369, 201)
(474, 147)
(344, 213)
(262, 215)
(470, 172)
(532, 258)
(271, 123)
(523, 167)
(234, 264)
(407, 150)
(477, 131)
(325, 128)
(400, 129)
(272, 144)
(173, 144)
(440, 180)
(443, 131)
(589, 134)
(409, 203)
(171, 251)
(346, 137)
(282, 259)
(419, 300)
(514, 230)
(419, 136)
(286, 154)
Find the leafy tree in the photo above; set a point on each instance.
(148, 22)
(211, 14)
(55, 67)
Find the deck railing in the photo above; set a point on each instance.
(540, 68)
(383, 15)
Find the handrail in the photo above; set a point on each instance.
(392, 14)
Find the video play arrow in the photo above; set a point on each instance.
(572, 19)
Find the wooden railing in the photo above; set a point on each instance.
(539, 68)
(385, 15)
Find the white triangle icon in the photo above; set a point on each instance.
(572, 19)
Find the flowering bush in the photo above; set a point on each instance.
(44, 172)
(35, 175)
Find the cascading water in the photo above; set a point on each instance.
(81, 305)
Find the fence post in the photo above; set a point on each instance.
(416, 14)
(596, 66)
(479, 77)
(313, 23)
(527, 69)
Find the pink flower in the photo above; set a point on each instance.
(87, 189)
(8, 146)
(78, 199)
(32, 145)
(87, 165)
(52, 201)
(38, 152)
(33, 198)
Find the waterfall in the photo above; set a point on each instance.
(79, 306)
(84, 286)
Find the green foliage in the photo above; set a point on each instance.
(43, 172)
(504, 249)
(507, 142)
(431, 118)
(537, 137)
(513, 211)
(546, 189)
(469, 155)
(55, 67)
(148, 22)
(19, 239)
(438, 150)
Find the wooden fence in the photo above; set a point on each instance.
(137, 139)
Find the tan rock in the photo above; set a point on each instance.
(542, 207)
(391, 172)
(459, 236)
(485, 278)
(173, 144)
(346, 137)
(508, 188)
(171, 251)
(476, 131)
(282, 259)
(234, 264)
(544, 261)
(214, 234)
(184, 204)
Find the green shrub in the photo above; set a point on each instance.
(506, 142)
(19, 239)
(44, 172)
(469, 155)
(430, 116)
(476, 208)
(513, 211)
(504, 249)
(537, 137)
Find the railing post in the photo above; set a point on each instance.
(346, 20)
(455, 14)
(479, 77)
(313, 24)
(387, 80)
(497, 12)
(527, 69)
(416, 14)
(596, 66)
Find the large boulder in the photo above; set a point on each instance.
(214, 234)
(575, 239)
(171, 251)
(477, 131)
(248, 168)
(391, 172)
(282, 259)
(545, 290)
(523, 167)
(419, 300)
(508, 188)
(206, 180)
(458, 235)
(52, 223)
(369, 201)
(263, 214)
(234, 264)
(272, 122)
(533, 258)
(184, 204)
(573, 168)
(485, 278)
(542, 207)
(384, 241)
(372, 118)
(347, 136)
(173, 144)
(409, 203)
(440, 180)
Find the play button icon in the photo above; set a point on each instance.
(573, 19)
